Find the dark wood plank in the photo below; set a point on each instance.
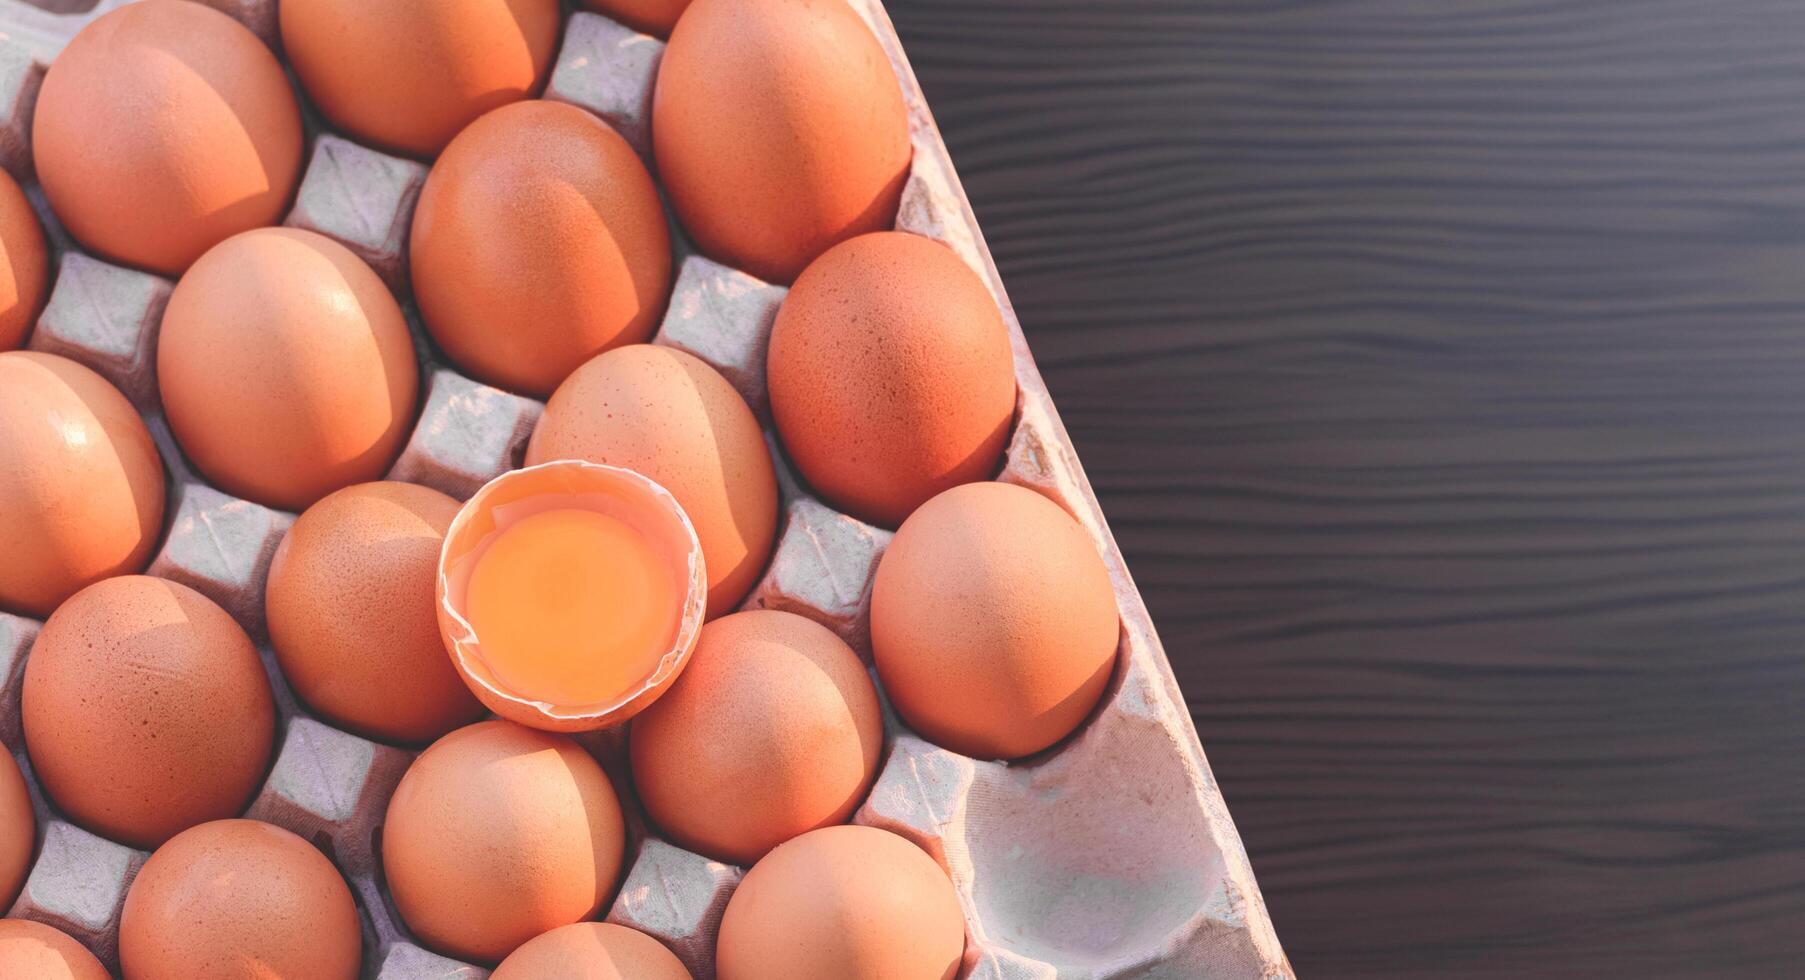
(1441, 366)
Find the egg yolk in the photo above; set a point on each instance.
(573, 606)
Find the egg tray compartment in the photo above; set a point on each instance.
(1111, 855)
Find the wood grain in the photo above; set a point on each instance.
(1441, 366)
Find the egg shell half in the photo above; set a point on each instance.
(351, 613)
(772, 730)
(993, 623)
(538, 242)
(891, 375)
(18, 831)
(237, 899)
(557, 485)
(81, 484)
(842, 902)
(407, 75)
(24, 265)
(668, 415)
(34, 951)
(779, 130)
(163, 128)
(286, 368)
(592, 951)
(146, 710)
(498, 833)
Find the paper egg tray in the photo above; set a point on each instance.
(1111, 855)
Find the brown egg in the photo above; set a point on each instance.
(18, 832)
(498, 833)
(286, 368)
(670, 416)
(406, 75)
(236, 900)
(350, 608)
(779, 130)
(34, 951)
(843, 902)
(81, 485)
(24, 264)
(891, 375)
(993, 622)
(162, 129)
(592, 951)
(539, 242)
(650, 16)
(772, 730)
(146, 710)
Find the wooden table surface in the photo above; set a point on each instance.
(1441, 367)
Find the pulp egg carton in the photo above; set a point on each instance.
(1111, 855)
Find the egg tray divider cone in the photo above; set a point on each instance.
(1111, 855)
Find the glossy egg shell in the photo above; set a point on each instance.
(779, 130)
(351, 615)
(286, 368)
(237, 899)
(651, 16)
(772, 730)
(592, 951)
(668, 415)
(24, 265)
(538, 242)
(163, 128)
(34, 951)
(146, 710)
(842, 902)
(891, 375)
(18, 831)
(993, 622)
(407, 75)
(81, 484)
(498, 833)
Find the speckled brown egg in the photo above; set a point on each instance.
(34, 951)
(407, 75)
(162, 129)
(993, 622)
(592, 951)
(651, 16)
(779, 130)
(285, 367)
(237, 900)
(891, 376)
(499, 833)
(24, 264)
(538, 242)
(842, 902)
(772, 730)
(81, 485)
(146, 710)
(670, 416)
(18, 831)
(351, 613)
